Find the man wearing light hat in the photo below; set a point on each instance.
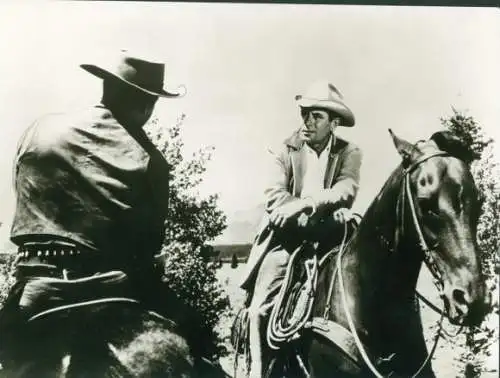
(92, 195)
(316, 177)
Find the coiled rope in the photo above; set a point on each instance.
(278, 332)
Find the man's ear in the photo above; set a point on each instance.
(404, 148)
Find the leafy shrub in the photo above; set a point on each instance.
(486, 172)
(6, 274)
(191, 223)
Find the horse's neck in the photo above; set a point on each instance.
(386, 246)
(383, 272)
(379, 278)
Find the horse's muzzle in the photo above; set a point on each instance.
(465, 309)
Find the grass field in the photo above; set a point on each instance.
(446, 361)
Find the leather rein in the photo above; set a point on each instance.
(428, 258)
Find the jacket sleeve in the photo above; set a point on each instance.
(343, 192)
(277, 191)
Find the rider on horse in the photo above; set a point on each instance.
(92, 196)
(314, 185)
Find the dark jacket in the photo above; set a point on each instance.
(84, 178)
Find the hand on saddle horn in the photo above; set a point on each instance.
(343, 215)
(288, 211)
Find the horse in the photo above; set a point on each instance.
(95, 326)
(427, 211)
(365, 318)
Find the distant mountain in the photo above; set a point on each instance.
(242, 226)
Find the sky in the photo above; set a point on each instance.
(398, 67)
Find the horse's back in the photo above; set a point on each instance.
(117, 340)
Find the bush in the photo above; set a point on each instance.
(486, 172)
(195, 284)
(192, 222)
(6, 274)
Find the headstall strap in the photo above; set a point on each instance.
(428, 253)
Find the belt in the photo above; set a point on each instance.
(26, 251)
(65, 256)
(61, 256)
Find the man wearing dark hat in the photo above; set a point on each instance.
(315, 183)
(91, 203)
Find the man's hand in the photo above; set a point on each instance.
(281, 215)
(302, 220)
(343, 215)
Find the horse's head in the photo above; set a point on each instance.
(444, 205)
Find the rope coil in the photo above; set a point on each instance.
(280, 331)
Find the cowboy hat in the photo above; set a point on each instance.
(140, 73)
(324, 95)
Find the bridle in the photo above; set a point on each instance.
(428, 253)
(427, 257)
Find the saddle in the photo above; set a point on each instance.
(292, 311)
(291, 315)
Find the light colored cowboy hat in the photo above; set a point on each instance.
(139, 72)
(324, 95)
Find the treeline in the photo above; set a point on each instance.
(225, 252)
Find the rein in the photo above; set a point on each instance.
(428, 259)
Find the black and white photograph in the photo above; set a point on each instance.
(249, 190)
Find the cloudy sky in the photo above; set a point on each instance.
(398, 67)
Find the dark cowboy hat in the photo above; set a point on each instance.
(140, 73)
(324, 95)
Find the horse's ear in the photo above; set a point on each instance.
(404, 148)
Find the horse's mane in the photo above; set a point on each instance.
(451, 143)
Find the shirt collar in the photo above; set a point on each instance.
(328, 147)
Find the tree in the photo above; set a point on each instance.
(234, 261)
(486, 172)
(192, 221)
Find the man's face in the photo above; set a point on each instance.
(140, 108)
(140, 115)
(317, 125)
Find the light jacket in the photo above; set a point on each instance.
(341, 184)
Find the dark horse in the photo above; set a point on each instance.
(96, 327)
(365, 317)
(427, 212)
